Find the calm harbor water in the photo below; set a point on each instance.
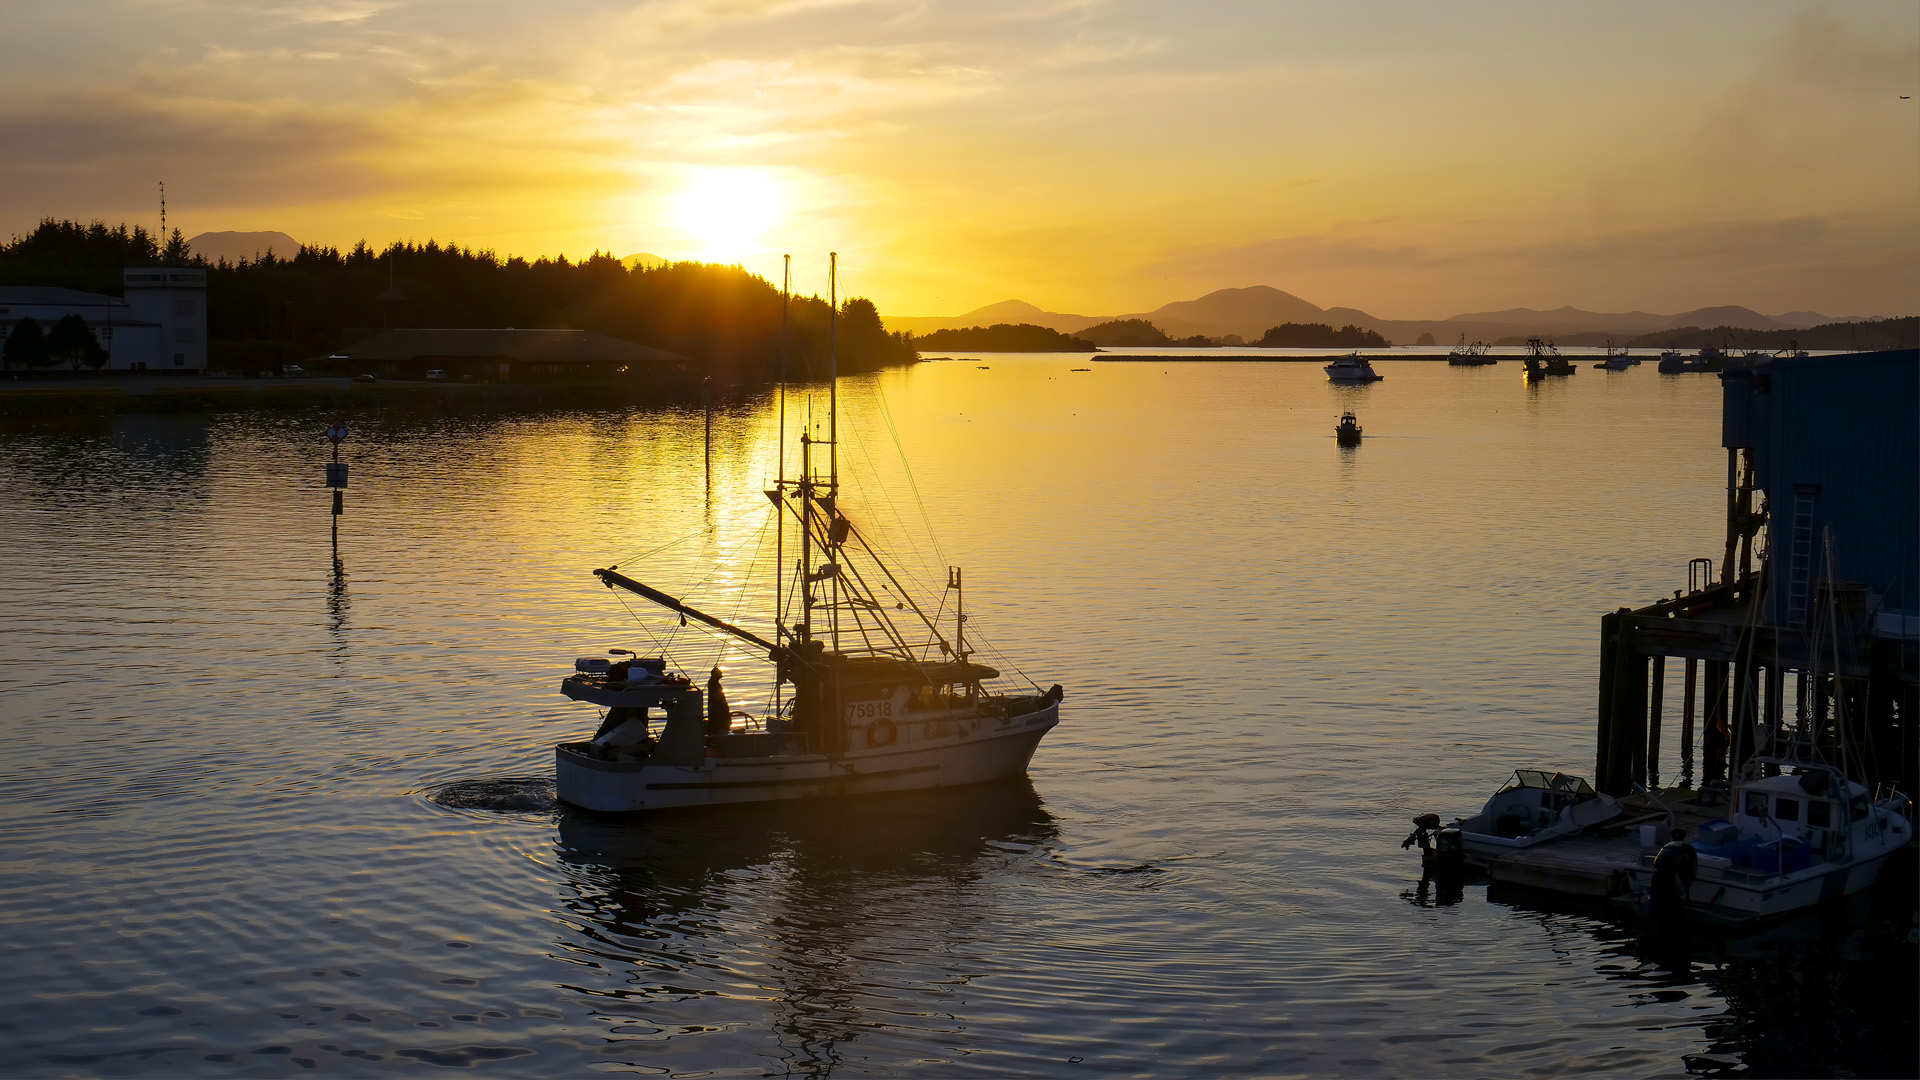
(269, 807)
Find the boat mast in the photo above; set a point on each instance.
(780, 477)
(833, 436)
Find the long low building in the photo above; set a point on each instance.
(161, 324)
(505, 355)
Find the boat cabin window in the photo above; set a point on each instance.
(1786, 809)
(1857, 809)
(1820, 814)
(1756, 804)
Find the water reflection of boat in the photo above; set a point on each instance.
(1348, 431)
(1543, 360)
(807, 908)
(878, 703)
(1788, 998)
(1352, 368)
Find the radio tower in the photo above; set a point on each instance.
(163, 213)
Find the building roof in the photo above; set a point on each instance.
(529, 346)
(49, 295)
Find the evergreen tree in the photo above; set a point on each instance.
(72, 342)
(27, 345)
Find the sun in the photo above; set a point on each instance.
(725, 211)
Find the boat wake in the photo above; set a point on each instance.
(497, 794)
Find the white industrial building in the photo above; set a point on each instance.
(161, 325)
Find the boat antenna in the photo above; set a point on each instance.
(780, 479)
(833, 425)
(833, 372)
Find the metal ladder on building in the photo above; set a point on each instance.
(1800, 553)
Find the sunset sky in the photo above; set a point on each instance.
(1413, 159)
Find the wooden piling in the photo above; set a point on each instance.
(1686, 723)
(1653, 721)
(1713, 739)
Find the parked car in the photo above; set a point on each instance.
(436, 375)
(363, 378)
(292, 371)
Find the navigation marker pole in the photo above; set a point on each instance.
(337, 479)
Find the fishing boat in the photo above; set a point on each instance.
(868, 696)
(1465, 355)
(1617, 359)
(1804, 835)
(1352, 368)
(1675, 362)
(1543, 360)
(1347, 433)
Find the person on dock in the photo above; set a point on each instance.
(1673, 872)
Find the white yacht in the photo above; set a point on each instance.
(1352, 368)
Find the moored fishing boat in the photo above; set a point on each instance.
(1465, 355)
(1792, 840)
(1543, 360)
(867, 697)
(1617, 359)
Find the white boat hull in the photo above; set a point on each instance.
(984, 749)
(1736, 896)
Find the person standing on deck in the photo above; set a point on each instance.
(719, 716)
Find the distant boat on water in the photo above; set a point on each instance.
(1543, 360)
(1675, 362)
(1618, 359)
(1352, 368)
(1348, 431)
(1465, 355)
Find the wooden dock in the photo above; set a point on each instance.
(1596, 864)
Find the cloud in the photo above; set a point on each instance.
(96, 146)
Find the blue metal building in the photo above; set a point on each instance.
(1835, 444)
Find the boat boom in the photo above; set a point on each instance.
(623, 581)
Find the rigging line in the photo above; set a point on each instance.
(932, 626)
(669, 544)
(1002, 657)
(666, 653)
(886, 414)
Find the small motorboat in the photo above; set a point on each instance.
(1348, 432)
(1536, 806)
(1352, 368)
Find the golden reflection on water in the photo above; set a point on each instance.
(1275, 652)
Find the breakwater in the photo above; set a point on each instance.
(1241, 358)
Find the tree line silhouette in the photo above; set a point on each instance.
(275, 309)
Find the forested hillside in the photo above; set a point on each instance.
(276, 310)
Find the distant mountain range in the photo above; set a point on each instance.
(235, 246)
(1249, 312)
